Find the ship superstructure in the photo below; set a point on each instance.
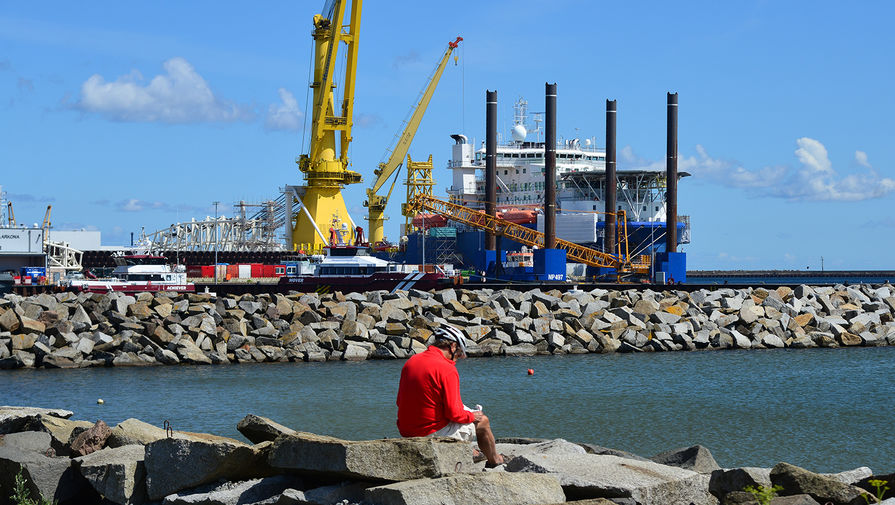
(581, 186)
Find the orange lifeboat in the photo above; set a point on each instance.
(430, 220)
(520, 216)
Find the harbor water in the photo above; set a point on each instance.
(824, 409)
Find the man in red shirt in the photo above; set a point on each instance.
(429, 402)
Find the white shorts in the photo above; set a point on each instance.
(464, 432)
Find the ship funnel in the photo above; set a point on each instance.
(491, 164)
(671, 176)
(550, 168)
(611, 181)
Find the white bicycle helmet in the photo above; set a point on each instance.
(451, 334)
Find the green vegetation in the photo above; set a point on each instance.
(762, 494)
(881, 489)
(21, 496)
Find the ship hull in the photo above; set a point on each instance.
(358, 284)
(108, 287)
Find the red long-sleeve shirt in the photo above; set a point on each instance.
(429, 395)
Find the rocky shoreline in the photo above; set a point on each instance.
(75, 462)
(69, 330)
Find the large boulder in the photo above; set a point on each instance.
(134, 431)
(723, 482)
(118, 474)
(45, 477)
(696, 458)
(14, 419)
(261, 429)
(345, 492)
(486, 487)
(237, 493)
(60, 431)
(377, 460)
(174, 464)
(600, 476)
(796, 480)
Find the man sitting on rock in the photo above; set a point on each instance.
(429, 403)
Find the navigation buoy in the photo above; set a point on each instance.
(100, 401)
(531, 371)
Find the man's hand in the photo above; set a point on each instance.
(476, 415)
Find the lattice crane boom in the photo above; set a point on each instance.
(526, 236)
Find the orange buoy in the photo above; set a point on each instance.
(531, 371)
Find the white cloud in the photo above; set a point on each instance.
(180, 95)
(135, 205)
(814, 180)
(284, 116)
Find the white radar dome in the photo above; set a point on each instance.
(587, 142)
(519, 133)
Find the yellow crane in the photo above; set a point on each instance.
(376, 203)
(325, 167)
(10, 215)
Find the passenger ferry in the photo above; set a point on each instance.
(351, 269)
(137, 273)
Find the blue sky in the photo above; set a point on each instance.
(125, 115)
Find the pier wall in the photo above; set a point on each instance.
(67, 330)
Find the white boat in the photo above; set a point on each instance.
(136, 273)
(351, 269)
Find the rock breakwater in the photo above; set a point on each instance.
(66, 330)
(137, 463)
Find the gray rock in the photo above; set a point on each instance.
(336, 494)
(60, 431)
(27, 441)
(116, 473)
(355, 353)
(851, 476)
(796, 499)
(261, 429)
(237, 493)
(598, 476)
(13, 419)
(488, 487)
(696, 458)
(386, 459)
(174, 464)
(45, 477)
(796, 480)
(557, 446)
(133, 431)
(606, 451)
(521, 349)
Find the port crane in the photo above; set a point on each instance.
(325, 166)
(376, 203)
(619, 259)
(10, 215)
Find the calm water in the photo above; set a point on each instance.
(826, 410)
(820, 280)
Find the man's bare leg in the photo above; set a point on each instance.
(486, 441)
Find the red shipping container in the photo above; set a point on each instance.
(257, 270)
(233, 271)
